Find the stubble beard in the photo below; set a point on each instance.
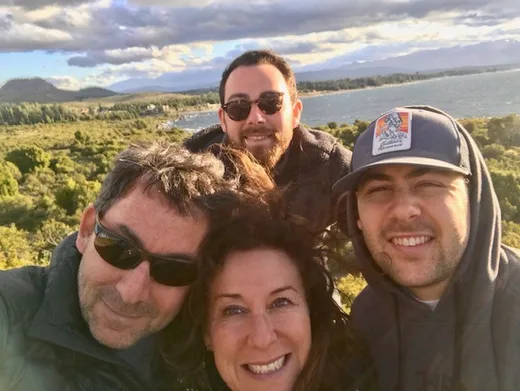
(268, 157)
(89, 298)
(441, 263)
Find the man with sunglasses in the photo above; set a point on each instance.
(89, 320)
(260, 112)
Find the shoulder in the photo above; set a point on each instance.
(22, 290)
(323, 144)
(509, 272)
(512, 253)
(318, 139)
(364, 300)
(370, 308)
(21, 294)
(204, 138)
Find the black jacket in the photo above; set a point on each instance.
(45, 344)
(471, 341)
(314, 161)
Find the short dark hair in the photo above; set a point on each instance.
(188, 181)
(259, 57)
(250, 227)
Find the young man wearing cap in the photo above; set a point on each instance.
(442, 306)
(89, 320)
(260, 112)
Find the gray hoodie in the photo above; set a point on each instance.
(471, 341)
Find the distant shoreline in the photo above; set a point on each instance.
(311, 94)
(334, 92)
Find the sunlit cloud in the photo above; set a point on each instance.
(147, 38)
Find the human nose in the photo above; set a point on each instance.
(256, 116)
(134, 287)
(405, 206)
(262, 333)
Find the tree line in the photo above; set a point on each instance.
(378, 81)
(35, 113)
(50, 173)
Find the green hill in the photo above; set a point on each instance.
(40, 91)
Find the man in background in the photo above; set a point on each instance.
(260, 112)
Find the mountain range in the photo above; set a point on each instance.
(39, 90)
(498, 54)
(489, 53)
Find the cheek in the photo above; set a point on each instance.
(369, 219)
(303, 340)
(225, 335)
(305, 334)
(225, 343)
(454, 218)
(296, 327)
(95, 271)
(285, 118)
(233, 129)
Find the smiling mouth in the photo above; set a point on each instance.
(121, 314)
(411, 241)
(268, 368)
(258, 137)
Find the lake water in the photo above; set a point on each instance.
(483, 95)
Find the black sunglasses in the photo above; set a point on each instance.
(269, 102)
(176, 270)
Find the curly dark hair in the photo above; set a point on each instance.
(250, 226)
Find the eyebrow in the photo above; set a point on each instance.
(130, 234)
(238, 95)
(239, 296)
(246, 96)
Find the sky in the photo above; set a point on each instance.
(80, 43)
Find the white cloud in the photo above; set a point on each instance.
(100, 25)
(150, 37)
(188, 3)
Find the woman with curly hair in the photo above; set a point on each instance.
(261, 315)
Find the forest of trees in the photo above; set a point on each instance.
(378, 81)
(35, 113)
(50, 172)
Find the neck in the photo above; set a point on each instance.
(431, 292)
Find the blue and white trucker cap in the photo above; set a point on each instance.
(418, 135)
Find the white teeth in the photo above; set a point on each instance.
(264, 369)
(257, 138)
(411, 242)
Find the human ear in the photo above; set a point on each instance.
(297, 112)
(86, 228)
(222, 119)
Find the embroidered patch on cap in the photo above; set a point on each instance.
(393, 132)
